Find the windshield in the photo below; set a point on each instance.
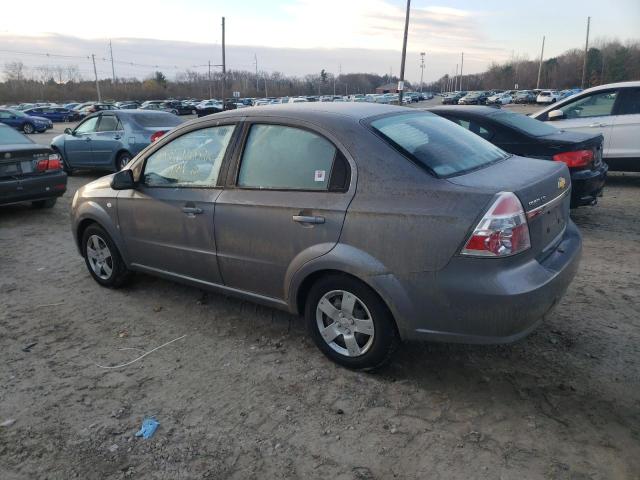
(10, 136)
(156, 120)
(525, 124)
(436, 143)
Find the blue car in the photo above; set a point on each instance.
(55, 114)
(108, 140)
(22, 121)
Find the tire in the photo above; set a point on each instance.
(48, 203)
(175, 112)
(102, 258)
(122, 160)
(363, 336)
(28, 128)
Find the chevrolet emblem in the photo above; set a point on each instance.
(561, 182)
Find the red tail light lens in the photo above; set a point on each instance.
(51, 163)
(502, 232)
(579, 158)
(157, 135)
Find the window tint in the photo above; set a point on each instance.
(629, 103)
(525, 124)
(109, 123)
(88, 126)
(282, 157)
(474, 127)
(4, 114)
(156, 120)
(437, 143)
(596, 105)
(191, 160)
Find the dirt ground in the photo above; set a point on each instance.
(245, 395)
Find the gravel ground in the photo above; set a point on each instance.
(245, 395)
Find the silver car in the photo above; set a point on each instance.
(377, 223)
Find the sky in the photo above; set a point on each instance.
(297, 37)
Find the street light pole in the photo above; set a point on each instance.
(404, 52)
(422, 70)
(540, 66)
(586, 50)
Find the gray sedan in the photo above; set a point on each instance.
(108, 140)
(377, 223)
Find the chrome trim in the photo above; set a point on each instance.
(536, 211)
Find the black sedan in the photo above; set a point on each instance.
(29, 172)
(524, 136)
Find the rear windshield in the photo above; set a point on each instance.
(156, 120)
(443, 147)
(10, 136)
(525, 124)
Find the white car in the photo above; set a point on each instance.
(499, 99)
(548, 96)
(297, 100)
(612, 110)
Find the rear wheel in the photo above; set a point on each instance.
(28, 128)
(349, 323)
(122, 160)
(103, 258)
(48, 203)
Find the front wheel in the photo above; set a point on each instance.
(122, 160)
(349, 323)
(28, 128)
(103, 258)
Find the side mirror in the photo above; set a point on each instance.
(555, 115)
(68, 131)
(123, 180)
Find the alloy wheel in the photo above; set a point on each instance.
(122, 161)
(99, 257)
(345, 323)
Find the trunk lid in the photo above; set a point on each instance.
(543, 188)
(21, 159)
(566, 141)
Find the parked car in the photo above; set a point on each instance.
(525, 96)
(521, 135)
(55, 114)
(109, 140)
(452, 98)
(178, 107)
(474, 98)
(127, 105)
(612, 110)
(503, 98)
(95, 107)
(26, 123)
(462, 242)
(28, 172)
(71, 105)
(548, 96)
(208, 107)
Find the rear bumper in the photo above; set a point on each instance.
(486, 301)
(31, 188)
(587, 185)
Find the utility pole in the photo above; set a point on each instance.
(461, 65)
(265, 87)
(586, 50)
(404, 52)
(210, 92)
(224, 68)
(540, 66)
(255, 57)
(113, 70)
(422, 70)
(95, 73)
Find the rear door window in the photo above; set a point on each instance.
(598, 104)
(285, 158)
(629, 102)
(109, 123)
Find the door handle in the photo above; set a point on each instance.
(597, 125)
(308, 219)
(192, 210)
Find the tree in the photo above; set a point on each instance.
(14, 71)
(160, 79)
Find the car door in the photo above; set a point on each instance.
(77, 145)
(107, 140)
(591, 113)
(625, 138)
(167, 221)
(286, 199)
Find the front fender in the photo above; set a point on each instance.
(355, 262)
(104, 213)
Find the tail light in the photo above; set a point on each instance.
(502, 232)
(157, 135)
(579, 158)
(52, 162)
